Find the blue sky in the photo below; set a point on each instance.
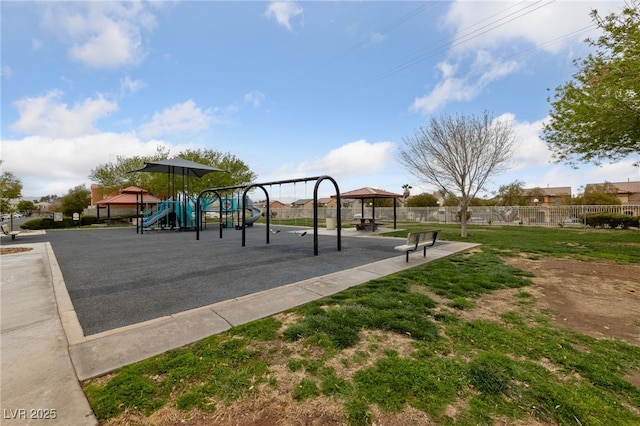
(293, 89)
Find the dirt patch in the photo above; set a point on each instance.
(599, 299)
(13, 250)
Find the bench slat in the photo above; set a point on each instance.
(422, 239)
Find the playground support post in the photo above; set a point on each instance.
(139, 213)
(244, 210)
(199, 216)
(315, 213)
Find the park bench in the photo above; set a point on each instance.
(6, 231)
(416, 240)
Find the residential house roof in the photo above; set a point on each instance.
(302, 202)
(550, 191)
(623, 187)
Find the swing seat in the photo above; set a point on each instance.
(299, 233)
(274, 231)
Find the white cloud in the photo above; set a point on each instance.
(459, 85)
(45, 116)
(351, 159)
(101, 34)
(533, 163)
(6, 71)
(375, 38)
(493, 24)
(254, 98)
(531, 150)
(480, 29)
(353, 165)
(185, 117)
(283, 12)
(127, 85)
(49, 165)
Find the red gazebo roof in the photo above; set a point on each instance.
(369, 193)
(128, 196)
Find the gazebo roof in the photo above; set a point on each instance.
(133, 190)
(128, 197)
(369, 193)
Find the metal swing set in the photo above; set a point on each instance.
(247, 188)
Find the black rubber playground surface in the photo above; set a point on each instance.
(116, 277)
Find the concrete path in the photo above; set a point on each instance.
(38, 382)
(45, 354)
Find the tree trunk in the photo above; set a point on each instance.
(463, 220)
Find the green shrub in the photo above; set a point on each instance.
(88, 220)
(47, 223)
(612, 220)
(67, 222)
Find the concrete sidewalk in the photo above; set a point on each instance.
(38, 381)
(45, 353)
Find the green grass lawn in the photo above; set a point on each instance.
(387, 347)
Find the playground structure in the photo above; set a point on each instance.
(181, 213)
(201, 200)
(177, 210)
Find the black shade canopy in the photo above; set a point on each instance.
(178, 166)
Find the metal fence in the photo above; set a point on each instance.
(495, 215)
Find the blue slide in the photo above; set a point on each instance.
(163, 210)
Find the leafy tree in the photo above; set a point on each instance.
(599, 194)
(237, 172)
(76, 200)
(48, 198)
(534, 196)
(422, 200)
(450, 200)
(10, 187)
(596, 116)
(477, 201)
(114, 176)
(26, 206)
(512, 194)
(459, 154)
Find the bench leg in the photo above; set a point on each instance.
(407, 256)
(13, 237)
(424, 254)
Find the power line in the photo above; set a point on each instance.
(366, 41)
(445, 44)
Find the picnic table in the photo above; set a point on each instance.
(365, 224)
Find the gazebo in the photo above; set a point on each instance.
(372, 194)
(127, 199)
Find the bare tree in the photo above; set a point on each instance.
(459, 154)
